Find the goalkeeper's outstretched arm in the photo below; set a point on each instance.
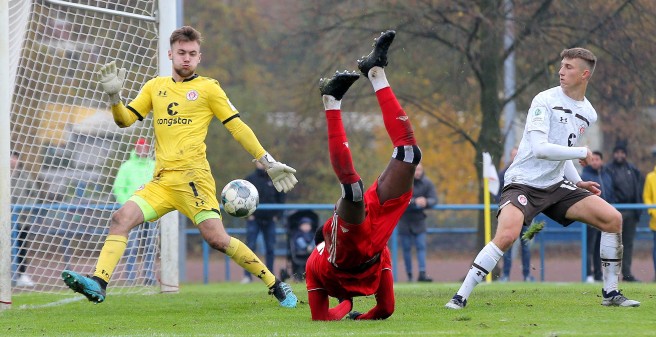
(123, 117)
(111, 79)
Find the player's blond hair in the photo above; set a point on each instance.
(185, 33)
(581, 53)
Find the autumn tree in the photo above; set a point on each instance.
(456, 47)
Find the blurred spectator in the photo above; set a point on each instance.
(133, 174)
(649, 196)
(302, 245)
(596, 172)
(412, 225)
(24, 191)
(263, 221)
(628, 188)
(526, 249)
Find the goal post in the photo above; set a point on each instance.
(60, 198)
(5, 198)
(169, 222)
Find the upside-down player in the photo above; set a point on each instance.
(183, 106)
(354, 259)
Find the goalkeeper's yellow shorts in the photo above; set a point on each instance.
(192, 192)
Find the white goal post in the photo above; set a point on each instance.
(55, 206)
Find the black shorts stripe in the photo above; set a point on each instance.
(193, 188)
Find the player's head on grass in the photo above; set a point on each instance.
(185, 52)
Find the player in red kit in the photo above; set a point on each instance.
(352, 258)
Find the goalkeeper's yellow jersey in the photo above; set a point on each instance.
(182, 112)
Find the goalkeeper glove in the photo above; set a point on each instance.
(111, 80)
(282, 175)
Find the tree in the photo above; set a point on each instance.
(457, 47)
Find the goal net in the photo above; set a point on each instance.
(69, 148)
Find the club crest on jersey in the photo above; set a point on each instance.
(537, 115)
(581, 130)
(522, 199)
(192, 95)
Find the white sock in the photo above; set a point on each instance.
(611, 250)
(330, 103)
(484, 262)
(377, 77)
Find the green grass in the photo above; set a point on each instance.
(230, 309)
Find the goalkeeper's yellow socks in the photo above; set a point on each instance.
(244, 256)
(110, 254)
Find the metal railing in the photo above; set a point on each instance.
(329, 207)
(541, 237)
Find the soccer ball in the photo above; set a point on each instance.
(240, 198)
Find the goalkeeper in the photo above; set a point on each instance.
(183, 106)
(351, 258)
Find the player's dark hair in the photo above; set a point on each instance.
(581, 53)
(185, 33)
(598, 153)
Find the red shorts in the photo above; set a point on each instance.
(336, 266)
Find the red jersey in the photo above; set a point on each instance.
(349, 263)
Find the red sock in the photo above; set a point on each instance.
(340, 154)
(396, 121)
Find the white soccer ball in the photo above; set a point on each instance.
(240, 198)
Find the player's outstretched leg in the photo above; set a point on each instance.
(398, 177)
(378, 56)
(284, 294)
(84, 285)
(332, 91)
(245, 258)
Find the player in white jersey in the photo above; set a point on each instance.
(563, 120)
(534, 181)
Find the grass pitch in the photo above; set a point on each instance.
(231, 309)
